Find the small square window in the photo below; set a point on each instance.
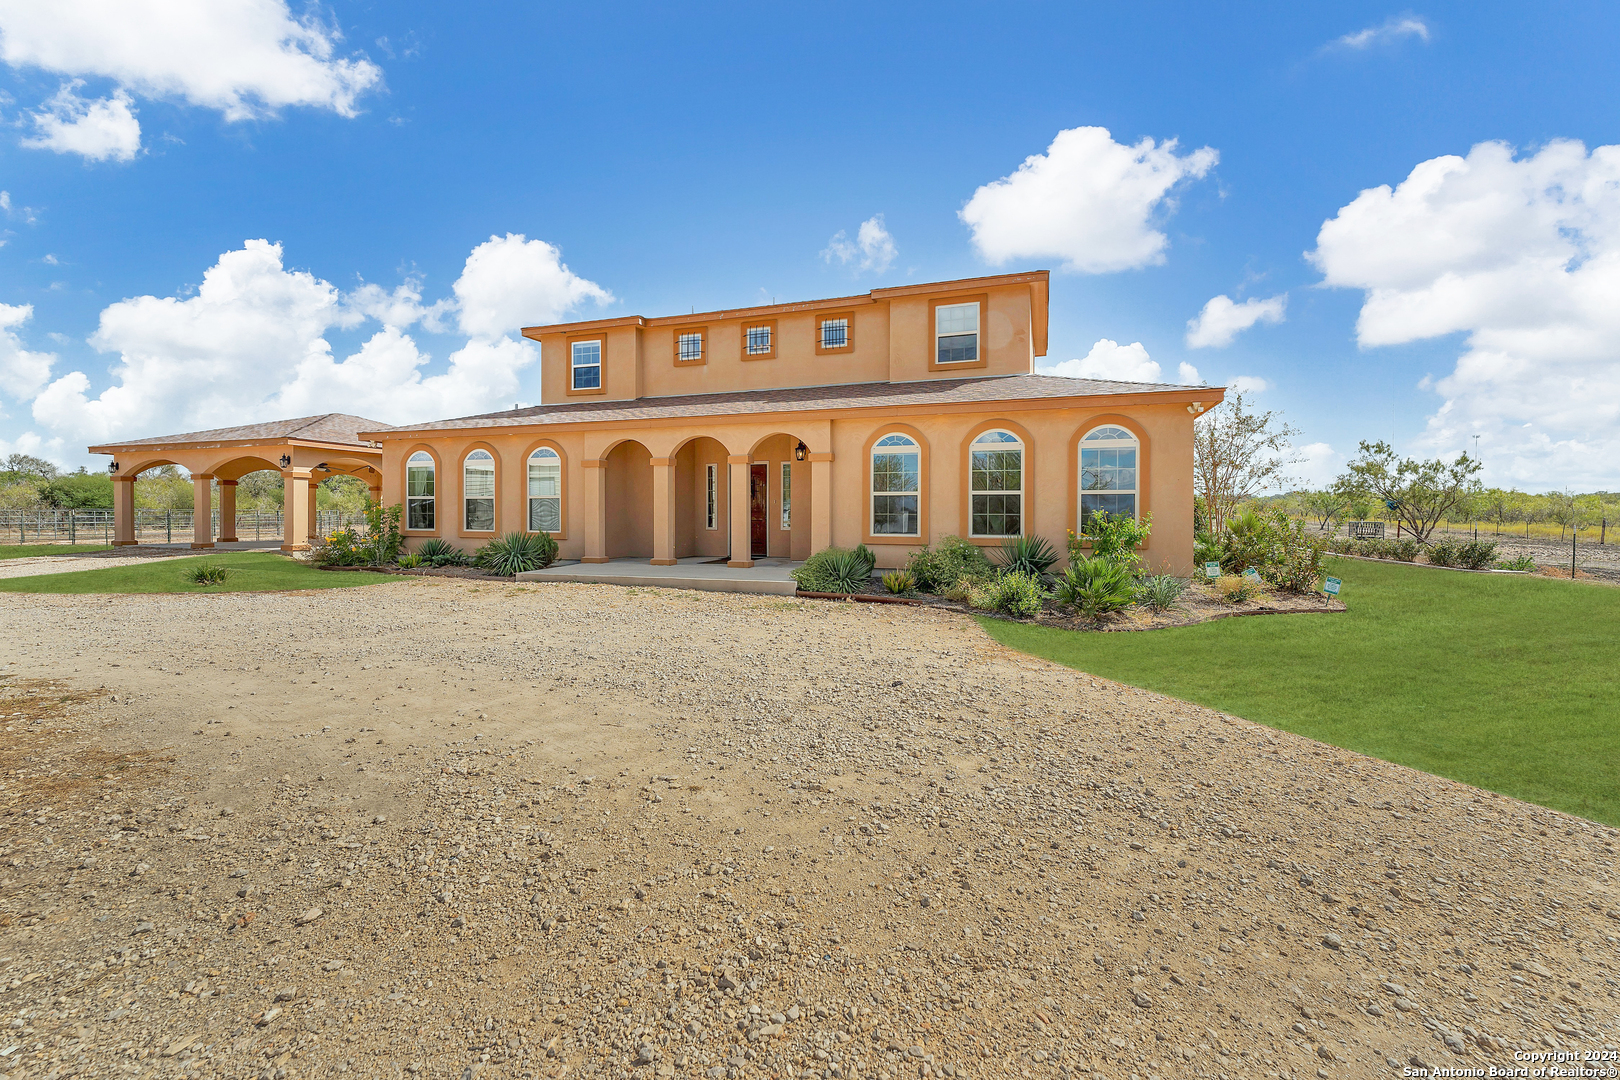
(689, 346)
(759, 340)
(835, 333)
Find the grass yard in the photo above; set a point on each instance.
(31, 551)
(253, 571)
(1505, 682)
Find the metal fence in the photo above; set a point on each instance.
(151, 526)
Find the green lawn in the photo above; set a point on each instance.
(30, 551)
(1506, 682)
(255, 571)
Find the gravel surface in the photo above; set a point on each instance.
(453, 829)
(66, 564)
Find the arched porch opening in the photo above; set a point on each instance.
(779, 494)
(702, 503)
(628, 511)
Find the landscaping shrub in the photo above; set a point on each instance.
(207, 574)
(1160, 592)
(1114, 537)
(1206, 550)
(1095, 586)
(1248, 541)
(1031, 555)
(837, 570)
(438, 552)
(1235, 588)
(1402, 550)
(409, 562)
(942, 566)
(1016, 592)
(1295, 560)
(378, 546)
(1518, 562)
(1443, 553)
(1476, 554)
(900, 582)
(517, 553)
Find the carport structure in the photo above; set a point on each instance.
(305, 450)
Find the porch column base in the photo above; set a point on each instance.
(294, 547)
(740, 564)
(663, 562)
(200, 547)
(595, 559)
(123, 543)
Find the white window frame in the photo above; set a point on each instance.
(548, 458)
(468, 500)
(974, 492)
(412, 501)
(871, 480)
(750, 348)
(711, 496)
(939, 336)
(787, 495)
(821, 332)
(575, 367)
(681, 338)
(1087, 442)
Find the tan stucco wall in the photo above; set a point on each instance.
(1052, 466)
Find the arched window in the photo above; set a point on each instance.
(478, 492)
(996, 484)
(545, 491)
(419, 491)
(1108, 474)
(896, 486)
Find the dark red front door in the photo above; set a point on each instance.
(759, 503)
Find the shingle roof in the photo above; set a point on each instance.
(800, 399)
(327, 427)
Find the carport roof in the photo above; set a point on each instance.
(332, 429)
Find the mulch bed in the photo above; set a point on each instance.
(426, 571)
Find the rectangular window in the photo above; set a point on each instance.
(1107, 483)
(834, 333)
(689, 347)
(757, 340)
(585, 365)
(419, 495)
(479, 478)
(956, 333)
(787, 495)
(995, 482)
(545, 494)
(711, 496)
(896, 487)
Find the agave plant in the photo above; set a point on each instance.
(437, 552)
(1160, 591)
(1031, 555)
(208, 573)
(900, 582)
(517, 553)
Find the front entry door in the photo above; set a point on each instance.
(759, 503)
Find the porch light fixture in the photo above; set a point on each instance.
(112, 468)
(800, 451)
(1196, 407)
(324, 467)
(286, 460)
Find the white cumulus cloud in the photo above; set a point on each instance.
(1318, 465)
(1393, 29)
(1088, 201)
(96, 130)
(1521, 256)
(511, 281)
(1222, 320)
(22, 372)
(1248, 384)
(872, 249)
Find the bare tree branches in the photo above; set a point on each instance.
(1238, 453)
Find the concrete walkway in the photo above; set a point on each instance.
(765, 576)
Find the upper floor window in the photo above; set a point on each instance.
(689, 347)
(833, 333)
(759, 340)
(996, 484)
(1108, 474)
(585, 365)
(478, 492)
(545, 491)
(419, 491)
(896, 486)
(956, 333)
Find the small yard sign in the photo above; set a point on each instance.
(1212, 569)
(1252, 575)
(1331, 586)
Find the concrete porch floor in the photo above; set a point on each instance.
(702, 572)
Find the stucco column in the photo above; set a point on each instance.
(295, 509)
(593, 504)
(123, 511)
(202, 509)
(663, 511)
(227, 511)
(820, 501)
(314, 526)
(742, 550)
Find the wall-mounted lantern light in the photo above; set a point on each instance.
(800, 451)
(112, 468)
(286, 460)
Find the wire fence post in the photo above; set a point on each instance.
(168, 526)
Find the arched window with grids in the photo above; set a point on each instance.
(478, 492)
(996, 484)
(419, 477)
(545, 491)
(1108, 472)
(896, 486)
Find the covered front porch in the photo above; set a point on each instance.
(305, 450)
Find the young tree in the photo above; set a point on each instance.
(1418, 493)
(1324, 505)
(1238, 453)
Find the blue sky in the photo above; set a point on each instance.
(711, 157)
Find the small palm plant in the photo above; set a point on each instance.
(208, 573)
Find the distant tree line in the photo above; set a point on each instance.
(32, 483)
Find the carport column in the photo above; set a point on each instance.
(295, 509)
(314, 524)
(227, 511)
(594, 504)
(202, 510)
(742, 547)
(820, 501)
(123, 511)
(663, 511)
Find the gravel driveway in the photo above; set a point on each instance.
(450, 829)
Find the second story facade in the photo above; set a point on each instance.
(973, 327)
